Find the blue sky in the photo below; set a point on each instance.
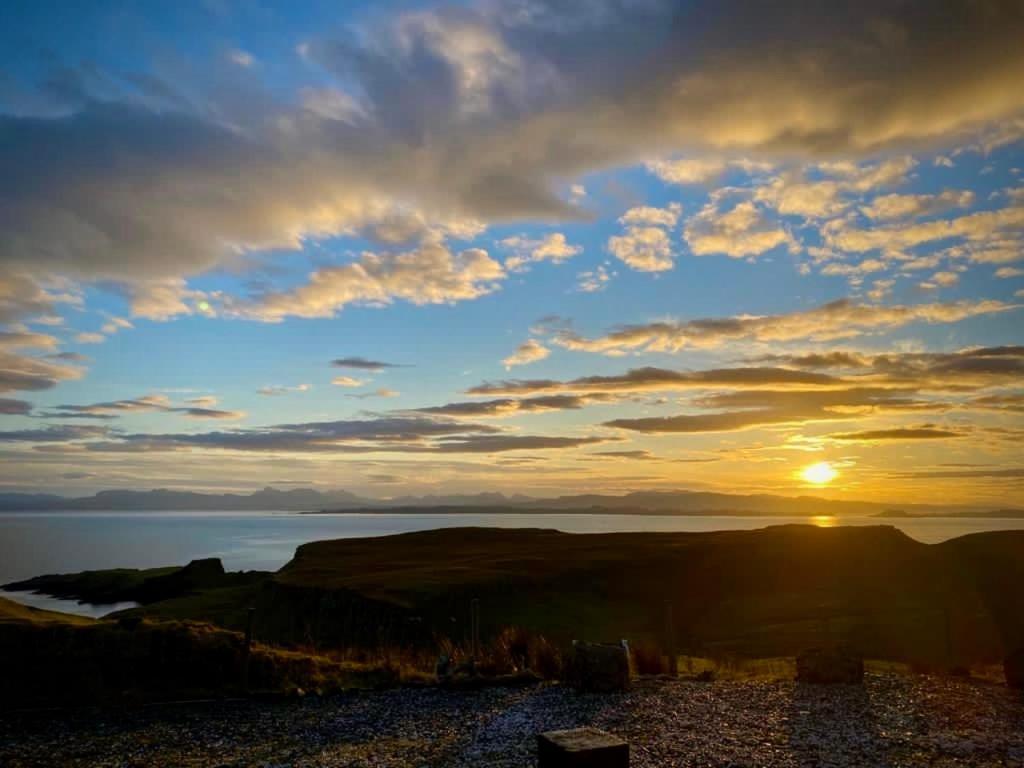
(203, 205)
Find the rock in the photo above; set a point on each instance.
(198, 574)
(1013, 668)
(599, 667)
(581, 748)
(830, 665)
(443, 667)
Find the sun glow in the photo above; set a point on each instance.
(821, 473)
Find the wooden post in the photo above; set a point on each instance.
(948, 629)
(670, 640)
(474, 628)
(251, 614)
(248, 628)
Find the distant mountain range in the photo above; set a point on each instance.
(651, 502)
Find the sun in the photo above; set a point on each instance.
(821, 473)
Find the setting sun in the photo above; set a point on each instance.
(820, 473)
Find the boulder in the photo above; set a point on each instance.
(830, 665)
(581, 748)
(1013, 668)
(599, 667)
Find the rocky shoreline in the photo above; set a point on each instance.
(890, 720)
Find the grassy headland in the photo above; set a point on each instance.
(763, 593)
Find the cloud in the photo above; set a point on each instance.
(9, 407)
(502, 443)
(913, 433)
(1010, 473)
(347, 381)
(209, 413)
(659, 380)
(700, 170)
(945, 279)
(754, 409)
(405, 434)
(22, 372)
(164, 299)
(381, 392)
(888, 207)
(275, 390)
(645, 249)
(530, 351)
(362, 364)
(55, 434)
(511, 407)
(686, 171)
(552, 247)
(22, 296)
(636, 455)
(739, 232)
(593, 281)
(242, 58)
(645, 246)
(480, 111)
(646, 216)
(841, 319)
(11, 340)
(157, 403)
(793, 194)
(429, 275)
(982, 226)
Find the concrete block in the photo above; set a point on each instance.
(581, 748)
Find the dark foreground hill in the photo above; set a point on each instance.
(767, 592)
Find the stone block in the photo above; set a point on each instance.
(581, 748)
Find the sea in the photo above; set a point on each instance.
(36, 543)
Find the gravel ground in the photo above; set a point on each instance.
(890, 721)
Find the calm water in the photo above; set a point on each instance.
(34, 543)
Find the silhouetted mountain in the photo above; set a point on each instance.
(163, 500)
(459, 500)
(678, 502)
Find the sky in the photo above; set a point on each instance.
(514, 245)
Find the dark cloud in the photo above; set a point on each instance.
(637, 455)
(727, 421)
(25, 373)
(363, 364)
(750, 409)
(511, 406)
(1011, 473)
(815, 360)
(208, 413)
(9, 407)
(501, 443)
(54, 434)
(660, 379)
(69, 357)
(911, 433)
(404, 434)
(160, 403)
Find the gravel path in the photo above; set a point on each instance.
(890, 721)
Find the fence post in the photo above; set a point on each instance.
(251, 614)
(474, 628)
(670, 640)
